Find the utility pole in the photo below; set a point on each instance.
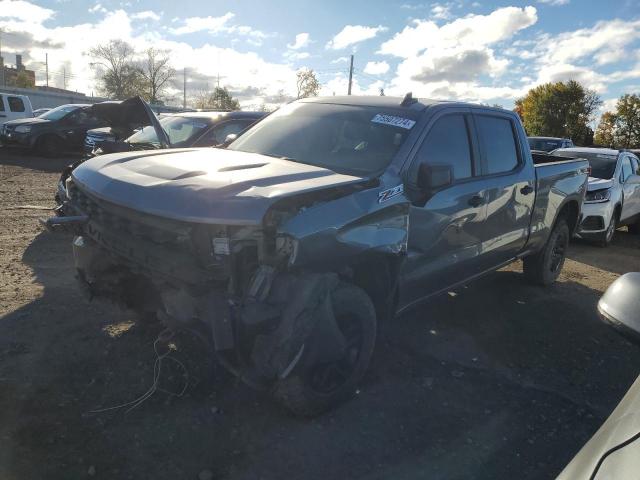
(184, 87)
(46, 61)
(1, 62)
(350, 76)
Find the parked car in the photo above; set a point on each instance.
(60, 129)
(614, 451)
(287, 247)
(179, 130)
(188, 129)
(14, 107)
(613, 193)
(39, 111)
(547, 144)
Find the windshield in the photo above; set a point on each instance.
(602, 165)
(59, 112)
(544, 144)
(358, 140)
(181, 130)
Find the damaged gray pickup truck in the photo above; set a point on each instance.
(331, 214)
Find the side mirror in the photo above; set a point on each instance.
(620, 305)
(229, 139)
(433, 177)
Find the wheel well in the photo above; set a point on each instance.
(378, 277)
(570, 212)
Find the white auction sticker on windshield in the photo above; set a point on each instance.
(393, 121)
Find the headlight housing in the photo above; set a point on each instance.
(598, 196)
(23, 129)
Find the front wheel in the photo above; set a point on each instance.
(607, 237)
(49, 146)
(544, 267)
(315, 387)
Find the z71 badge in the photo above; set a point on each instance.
(390, 193)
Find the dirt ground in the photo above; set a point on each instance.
(496, 380)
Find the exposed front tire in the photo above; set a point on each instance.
(607, 236)
(544, 267)
(311, 389)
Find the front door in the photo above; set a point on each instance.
(445, 232)
(630, 181)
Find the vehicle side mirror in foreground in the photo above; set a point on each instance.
(620, 305)
(434, 177)
(229, 139)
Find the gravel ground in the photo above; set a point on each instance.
(496, 380)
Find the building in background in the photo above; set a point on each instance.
(16, 76)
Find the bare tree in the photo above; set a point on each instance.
(156, 72)
(307, 84)
(119, 77)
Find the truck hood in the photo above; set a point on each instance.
(599, 183)
(203, 185)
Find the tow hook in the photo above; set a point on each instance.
(64, 224)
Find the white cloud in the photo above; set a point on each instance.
(340, 60)
(24, 11)
(471, 31)
(555, 3)
(198, 24)
(376, 68)
(352, 34)
(97, 8)
(441, 12)
(339, 85)
(302, 40)
(146, 15)
(293, 55)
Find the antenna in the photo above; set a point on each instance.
(408, 100)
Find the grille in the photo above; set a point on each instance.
(593, 223)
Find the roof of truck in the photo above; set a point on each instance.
(374, 101)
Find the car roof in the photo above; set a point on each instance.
(601, 151)
(214, 115)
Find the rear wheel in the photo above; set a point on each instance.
(311, 389)
(544, 267)
(634, 227)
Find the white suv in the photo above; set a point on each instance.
(613, 192)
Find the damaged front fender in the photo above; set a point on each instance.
(332, 233)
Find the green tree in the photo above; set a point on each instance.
(219, 99)
(561, 109)
(621, 128)
(605, 133)
(628, 121)
(119, 77)
(307, 84)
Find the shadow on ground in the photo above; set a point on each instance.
(622, 256)
(9, 156)
(500, 380)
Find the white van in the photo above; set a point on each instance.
(13, 107)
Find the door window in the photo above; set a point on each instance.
(498, 143)
(447, 143)
(16, 104)
(635, 163)
(1, 104)
(627, 169)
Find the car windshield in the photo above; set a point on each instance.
(181, 130)
(59, 112)
(602, 165)
(357, 140)
(544, 144)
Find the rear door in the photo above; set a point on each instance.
(630, 181)
(509, 178)
(444, 233)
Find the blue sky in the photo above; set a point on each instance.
(490, 52)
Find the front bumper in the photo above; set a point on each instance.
(13, 139)
(595, 219)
